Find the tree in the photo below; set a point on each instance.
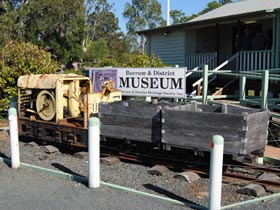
(213, 5)
(57, 25)
(102, 24)
(101, 21)
(141, 14)
(10, 27)
(178, 17)
(96, 51)
(225, 1)
(18, 58)
(210, 6)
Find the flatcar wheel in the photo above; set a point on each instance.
(45, 105)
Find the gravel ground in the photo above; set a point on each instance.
(128, 175)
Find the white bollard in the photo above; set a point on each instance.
(216, 172)
(13, 127)
(93, 153)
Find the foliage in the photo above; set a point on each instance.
(108, 62)
(68, 28)
(73, 71)
(143, 60)
(210, 6)
(96, 51)
(213, 5)
(102, 24)
(225, 1)
(9, 28)
(140, 15)
(58, 25)
(17, 58)
(101, 21)
(178, 17)
(118, 44)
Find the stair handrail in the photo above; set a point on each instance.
(216, 69)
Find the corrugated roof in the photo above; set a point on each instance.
(239, 8)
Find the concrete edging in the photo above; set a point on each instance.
(256, 200)
(271, 160)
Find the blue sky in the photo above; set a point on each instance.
(189, 7)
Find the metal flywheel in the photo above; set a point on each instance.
(45, 105)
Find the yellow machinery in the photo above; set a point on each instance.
(60, 98)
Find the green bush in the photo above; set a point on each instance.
(16, 59)
(143, 61)
(108, 62)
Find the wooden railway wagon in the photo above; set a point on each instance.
(177, 127)
(131, 120)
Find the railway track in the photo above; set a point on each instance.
(249, 173)
(243, 173)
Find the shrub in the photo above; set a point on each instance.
(16, 59)
(143, 60)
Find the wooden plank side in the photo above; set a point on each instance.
(187, 139)
(259, 118)
(129, 121)
(204, 130)
(202, 143)
(135, 111)
(184, 107)
(256, 139)
(239, 110)
(128, 111)
(256, 133)
(254, 147)
(199, 118)
(136, 134)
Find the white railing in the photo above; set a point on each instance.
(254, 60)
(197, 61)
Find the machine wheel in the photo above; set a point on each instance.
(45, 105)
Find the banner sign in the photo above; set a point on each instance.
(153, 82)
